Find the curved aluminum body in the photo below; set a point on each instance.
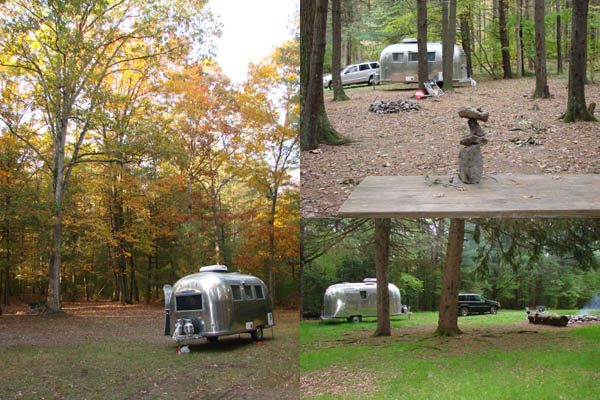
(217, 304)
(344, 300)
(398, 63)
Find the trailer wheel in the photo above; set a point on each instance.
(493, 310)
(330, 85)
(355, 319)
(212, 339)
(257, 334)
(464, 311)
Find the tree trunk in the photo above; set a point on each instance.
(541, 84)
(336, 53)
(448, 314)
(465, 31)
(149, 281)
(576, 107)
(272, 246)
(315, 127)
(518, 40)
(382, 258)
(449, 39)
(502, 5)
(559, 64)
(422, 42)
(301, 272)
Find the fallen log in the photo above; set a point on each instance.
(548, 319)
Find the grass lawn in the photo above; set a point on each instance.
(106, 351)
(497, 357)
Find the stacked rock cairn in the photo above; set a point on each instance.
(470, 161)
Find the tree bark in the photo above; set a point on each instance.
(449, 39)
(301, 272)
(576, 107)
(559, 64)
(448, 314)
(465, 31)
(382, 258)
(336, 53)
(502, 5)
(422, 42)
(541, 83)
(518, 40)
(315, 127)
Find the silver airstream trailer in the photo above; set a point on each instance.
(216, 303)
(354, 301)
(400, 62)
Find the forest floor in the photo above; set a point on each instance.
(496, 357)
(525, 137)
(104, 350)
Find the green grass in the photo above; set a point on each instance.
(494, 359)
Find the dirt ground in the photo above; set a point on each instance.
(122, 352)
(426, 142)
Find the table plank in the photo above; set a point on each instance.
(510, 196)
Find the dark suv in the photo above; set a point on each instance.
(471, 303)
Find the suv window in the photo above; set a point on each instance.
(364, 67)
(374, 65)
(351, 69)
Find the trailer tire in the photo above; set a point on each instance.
(355, 319)
(464, 311)
(212, 339)
(257, 334)
(330, 85)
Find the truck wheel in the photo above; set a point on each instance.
(212, 339)
(493, 310)
(257, 334)
(464, 311)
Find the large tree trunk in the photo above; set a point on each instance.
(502, 5)
(518, 40)
(314, 124)
(465, 31)
(449, 39)
(541, 84)
(53, 299)
(422, 42)
(576, 107)
(272, 246)
(336, 53)
(301, 272)
(448, 314)
(382, 258)
(559, 64)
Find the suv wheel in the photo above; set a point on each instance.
(464, 311)
(371, 81)
(493, 310)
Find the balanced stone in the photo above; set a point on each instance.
(470, 164)
(470, 139)
(473, 113)
(475, 128)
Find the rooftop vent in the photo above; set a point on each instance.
(214, 268)
(409, 40)
(370, 280)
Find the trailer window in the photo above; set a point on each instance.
(397, 57)
(189, 303)
(363, 294)
(431, 56)
(237, 293)
(248, 292)
(413, 57)
(259, 292)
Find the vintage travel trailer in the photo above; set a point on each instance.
(216, 303)
(354, 301)
(399, 63)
